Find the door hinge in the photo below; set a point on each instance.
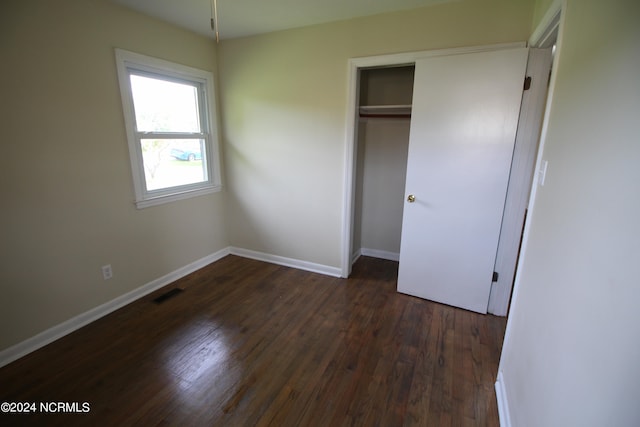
(495, 277)
(527, 83)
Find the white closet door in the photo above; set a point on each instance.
(463, 127)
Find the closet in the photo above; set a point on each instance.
(432, 157)
(384, 110)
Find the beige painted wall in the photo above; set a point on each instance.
(284, 98)
(66, 188)
(573, 345)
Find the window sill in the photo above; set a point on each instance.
(160, 200)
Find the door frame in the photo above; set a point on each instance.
(351, 137)
(534, 120)
(550, 27)
(522, 175)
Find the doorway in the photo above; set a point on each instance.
(384, 116)
(352, 247)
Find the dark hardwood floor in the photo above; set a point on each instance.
(248, 343)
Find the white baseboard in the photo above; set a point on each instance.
(287, 262)
(355, 255)
(56, 332)
(377, 253)
(503, 406)
(40, 340)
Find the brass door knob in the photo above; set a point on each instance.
(411, 198)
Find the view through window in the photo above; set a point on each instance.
(163, 110)
(169, 112)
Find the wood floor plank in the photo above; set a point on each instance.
(250, 343)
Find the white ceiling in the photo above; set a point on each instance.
(237, 18)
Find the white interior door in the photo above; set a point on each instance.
(463, 128)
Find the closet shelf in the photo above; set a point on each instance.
(385, 111)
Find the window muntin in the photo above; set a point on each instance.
(169, 115)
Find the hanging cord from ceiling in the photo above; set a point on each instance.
(214, 19)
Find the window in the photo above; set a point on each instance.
(169, 112)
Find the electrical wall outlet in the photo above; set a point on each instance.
(107, 273)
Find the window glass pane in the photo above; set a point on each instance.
(173, 162)
(164, 106)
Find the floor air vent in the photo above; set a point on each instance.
(169, 294)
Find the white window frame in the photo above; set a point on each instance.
(129, 61)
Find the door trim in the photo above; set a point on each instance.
(354, 65)
(549, 26)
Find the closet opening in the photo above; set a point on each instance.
(384, 101)
(379, 118)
